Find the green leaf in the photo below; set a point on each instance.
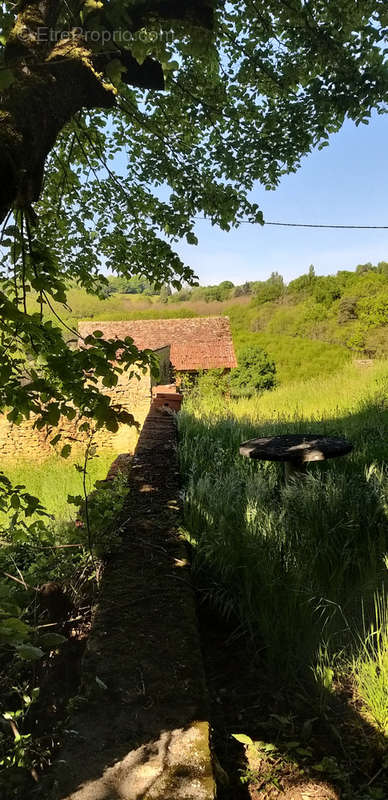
(191, 238)
(75, 500)
(93, 5)
(12, 714)
(51, 640)
(242, 738)
(114, 71)
(13, 630)
(328, 677)
(268, 747)
(9, 609)
(28, 652)
(304, 751)
(66, 450)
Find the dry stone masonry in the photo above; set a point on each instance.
(132, 394)
(142, 732)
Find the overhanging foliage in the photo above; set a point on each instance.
(148, 114)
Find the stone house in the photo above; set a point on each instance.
(196, 344)
(180, 345)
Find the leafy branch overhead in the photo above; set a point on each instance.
(41, 373)
(251, 87)
(54, 71)
(122, 121)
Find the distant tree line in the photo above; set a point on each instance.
(323, 288)
(358, 296)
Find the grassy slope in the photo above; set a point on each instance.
(296, 356)
(318, 398)
(322, 367)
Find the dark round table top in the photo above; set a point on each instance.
(296, 448)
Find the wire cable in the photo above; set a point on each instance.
(313, 225)
(308, 225)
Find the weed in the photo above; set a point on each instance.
(370, 666)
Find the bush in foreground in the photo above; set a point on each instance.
(255, 373)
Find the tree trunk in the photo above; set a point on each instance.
(37, 106)
(54, 80)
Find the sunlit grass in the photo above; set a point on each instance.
(370, 667)
(313, 399)
(55, 478)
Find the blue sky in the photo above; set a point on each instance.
(345, 183)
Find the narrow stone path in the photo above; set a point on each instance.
(142, 732)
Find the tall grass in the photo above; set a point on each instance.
(371, 664)
(315, 399)
(298, 562)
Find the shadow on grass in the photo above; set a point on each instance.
(305, 737)
(297, 568)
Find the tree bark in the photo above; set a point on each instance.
(54, 80)
(37, 106)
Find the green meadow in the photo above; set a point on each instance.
(310, 328)
(302, 566)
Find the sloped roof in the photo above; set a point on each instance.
(196, 343)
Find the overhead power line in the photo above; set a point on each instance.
(310, 225)
(313, 225)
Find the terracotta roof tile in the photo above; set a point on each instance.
(196, 343)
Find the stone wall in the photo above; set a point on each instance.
(144, 732)
(134, 396)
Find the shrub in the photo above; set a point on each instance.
(382, 268)
(212, 382)
(326, 289)
(104, 507)
(182, 296)
(373, 311)
(255, 373)
(245, 289)
(210, 294)
(303, 283)
(361, 269)
(267, 293)
(270, 290)
(347, 310)
(165, 293)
